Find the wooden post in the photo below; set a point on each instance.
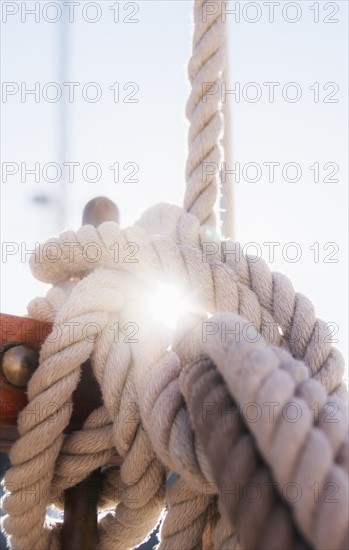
(15, 331)
(80, 525)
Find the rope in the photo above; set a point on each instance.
(209, 121)
(263, 522)
(184, 524)
(301, 453)
(229, 281)
(203, 112)
(161, 434)
(151, 411)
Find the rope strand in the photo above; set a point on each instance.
(203, 112)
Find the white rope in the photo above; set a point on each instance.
(113, 294)
(144, 373)
(203, 111)
(210, 125)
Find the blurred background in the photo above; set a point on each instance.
(93, 99)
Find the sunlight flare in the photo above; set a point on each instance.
(167, 304)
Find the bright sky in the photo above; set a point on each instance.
(146, 60)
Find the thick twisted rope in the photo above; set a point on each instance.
(262, 520)
(188, 513)
(303, 453)
(36, 452)
(170, 245)
(206, 123)
(157, 256)
(171, 436)
(220, 288)
(169, 427)
(247, 312)
(229, 281)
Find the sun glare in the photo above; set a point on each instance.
(167, 304)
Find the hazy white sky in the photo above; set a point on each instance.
(146, 61)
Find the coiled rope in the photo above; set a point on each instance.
(150, 412)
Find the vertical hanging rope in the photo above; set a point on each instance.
(203, 110)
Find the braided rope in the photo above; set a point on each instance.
(303, 452)
(206, 123)
(263, 522)
(115, 285)
(184, 525)
(171, 246)
(228, 282)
